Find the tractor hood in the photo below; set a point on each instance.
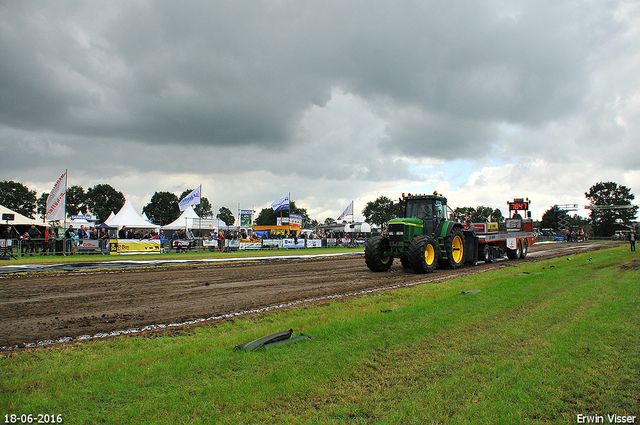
(407, 221)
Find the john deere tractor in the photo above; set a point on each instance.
(423, 239)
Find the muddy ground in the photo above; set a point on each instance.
(73, 306)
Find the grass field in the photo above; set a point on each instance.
(541, 343)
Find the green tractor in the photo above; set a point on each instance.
(424, 239)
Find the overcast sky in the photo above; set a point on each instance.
(331, 101)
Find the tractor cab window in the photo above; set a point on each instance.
(420, 208)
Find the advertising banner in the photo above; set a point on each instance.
(131, 246)
(291, 243)
(56, 199)
(250, 245)
(314, 243)
(245, 218)
(295, 219)
(272, 243)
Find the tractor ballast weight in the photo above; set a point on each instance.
(424, 238)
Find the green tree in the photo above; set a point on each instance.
(551, 218)
(300, 211)
(226, 215)
(203, 209)
(478, 214)
(380, 211)
(76, 200)
(266, 217)
(606, 195)
(330, 220)
(163, 208)
(461, 213)
(102, 199)
(18, 197)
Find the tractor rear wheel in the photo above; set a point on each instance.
(423, 254)
(374, 255)
(454, 245)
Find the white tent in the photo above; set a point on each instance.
(127, 216)
(190, 220)
(19, 219)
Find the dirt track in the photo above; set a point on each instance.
(45, 307)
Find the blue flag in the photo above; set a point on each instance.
(280, 204)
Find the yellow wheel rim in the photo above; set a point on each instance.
(384, 260)
(429, 254)
(457, 249)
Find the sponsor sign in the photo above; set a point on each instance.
(250, 245)
(245, 218)
(291, 243)
(295, 219)
(272, 243)
(314, 243)
(56, 200)
(130, 246)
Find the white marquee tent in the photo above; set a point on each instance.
(19, 219)
(190, 220)
(127, 216)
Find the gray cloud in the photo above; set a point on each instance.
(314, 91)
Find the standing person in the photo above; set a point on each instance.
(122, 234)
(34, 234)
(8, 237)
(220, 240)
(632, 240)
(51, 241)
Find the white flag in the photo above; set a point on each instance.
(348, 211)
(57, 199)
(191, 199)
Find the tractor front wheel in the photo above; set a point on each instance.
(423, 254)
(374, 254)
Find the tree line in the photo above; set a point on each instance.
(102, 199)
(604, 221)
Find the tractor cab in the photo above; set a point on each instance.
(430, 209)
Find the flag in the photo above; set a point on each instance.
(56, 209)
(281, 204)
(191, 199)
(348, 211)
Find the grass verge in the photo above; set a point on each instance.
(541, 343)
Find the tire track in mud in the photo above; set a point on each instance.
(42, 309)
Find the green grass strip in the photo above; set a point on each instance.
(541, 343)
